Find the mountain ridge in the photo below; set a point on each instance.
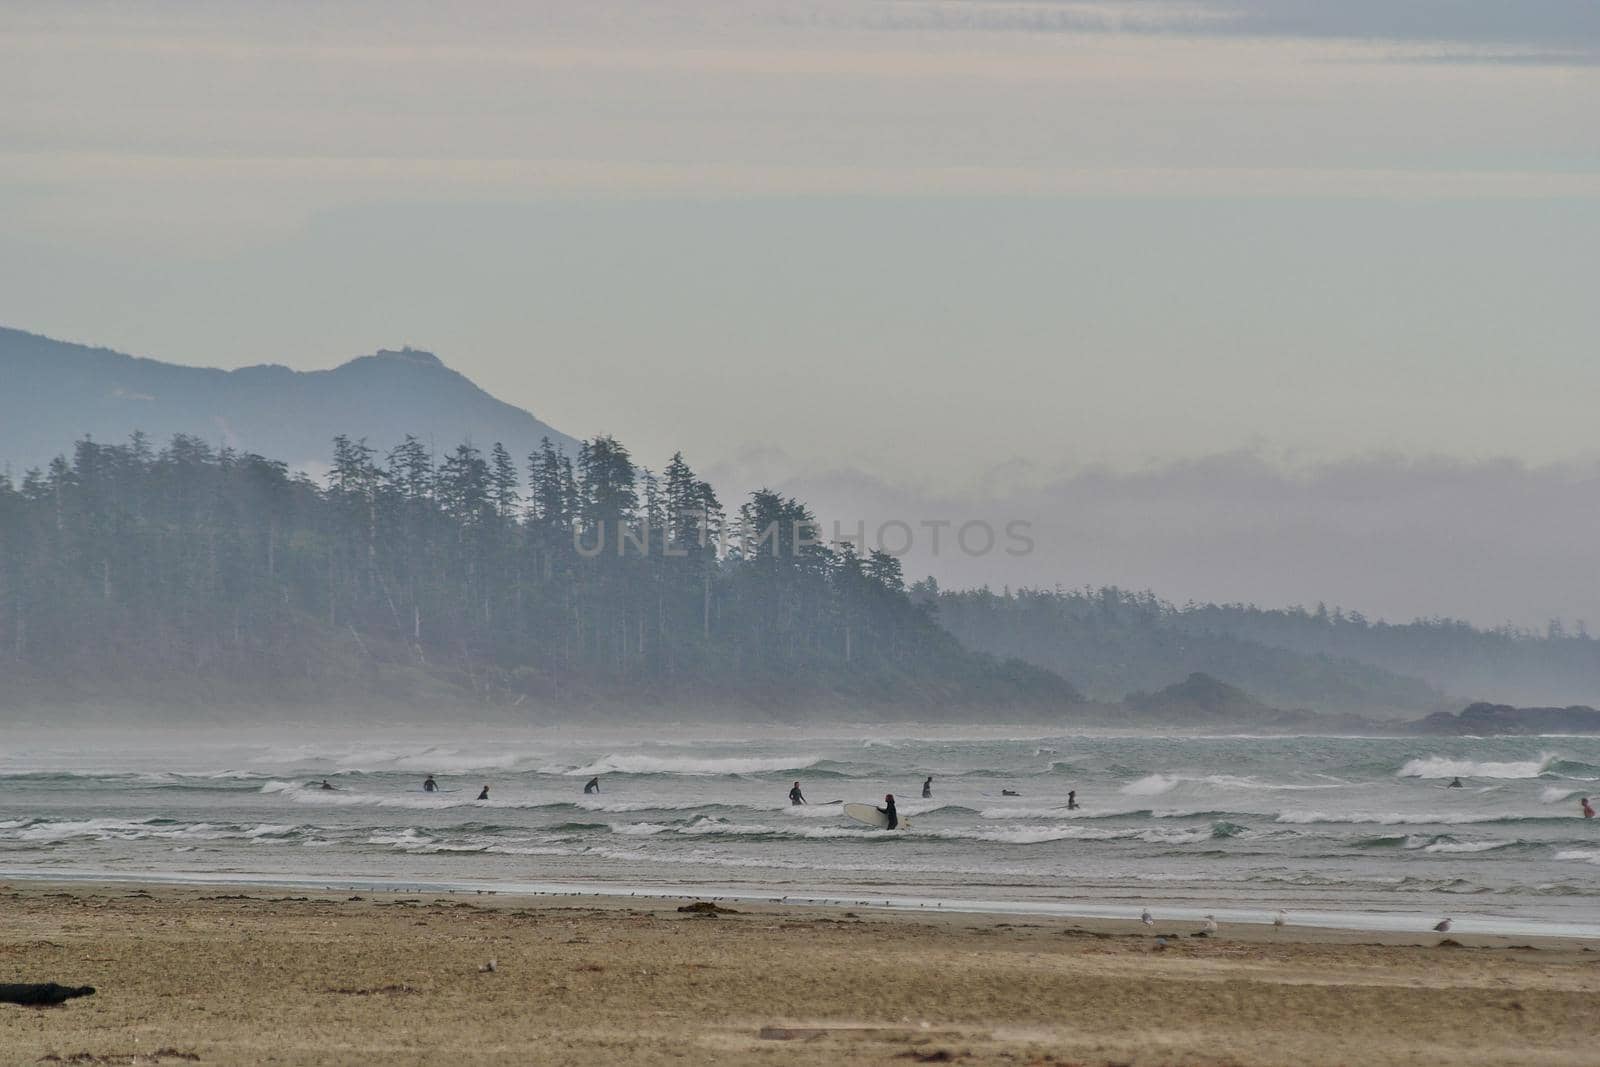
(62, 391)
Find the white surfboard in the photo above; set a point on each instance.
(873, 817)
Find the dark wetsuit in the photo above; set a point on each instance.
(430, 785)
(592, 786)
(927, 789)
(796, 797)
(888, 809)
(485, 794)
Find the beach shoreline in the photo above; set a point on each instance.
(233, 975)
(1396, 925)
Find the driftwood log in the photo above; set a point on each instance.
(41, 994)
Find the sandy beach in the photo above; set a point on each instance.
(262, 976)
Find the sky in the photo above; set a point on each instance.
(965, 257)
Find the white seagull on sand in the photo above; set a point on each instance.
(1146, 918)
(1442, 926)
(1210, 927)
(1279, 921)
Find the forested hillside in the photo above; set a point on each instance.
(1111, 642)
(128, 573)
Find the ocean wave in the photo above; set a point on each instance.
(1016, 835)
(621, 806)
(1586, 855)
(1055, 812)
(1151, 785)
(1444, 843)
(1444, 767)
(1402, 818)
(1157, 784)
(415, 801)
(58, 831)
(1381, 841)
(1468, 846)
(1576, 769)
(692, 765)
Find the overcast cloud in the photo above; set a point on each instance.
(923, 241)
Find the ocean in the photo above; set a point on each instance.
(1355, 832)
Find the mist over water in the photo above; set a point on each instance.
(1364, 828)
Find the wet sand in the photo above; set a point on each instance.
(254, 976)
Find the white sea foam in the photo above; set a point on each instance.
(1467, 846)
(1444, 767)
(1587, 855)
(409, 838)
(1554, 794)
(1152, 785)
(619, 806)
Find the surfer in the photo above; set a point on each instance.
(927, 788)
(1455, 783)
(1009, 793)
(429, 785)
(795, 796)
(1072, 800)
(888, 812)
(592, 785)
(485, 794)
(1588, 809)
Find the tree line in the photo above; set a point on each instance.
(1113, 641)
(548, 575)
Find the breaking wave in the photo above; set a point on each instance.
(1444, 767)
(690, 765)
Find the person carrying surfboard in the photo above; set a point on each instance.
(888, 812)
(795, 796)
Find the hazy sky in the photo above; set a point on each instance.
(974, 249)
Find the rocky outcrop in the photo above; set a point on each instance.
(1483, 718)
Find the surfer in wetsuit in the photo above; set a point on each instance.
(592, 785)
(1072, 800)
(327, 785)
(1009, 793)
(1588, 809)
(429, 785)
(888, 812)
(927, 788)
(795, 796)
(1455, 783)
(485, 794)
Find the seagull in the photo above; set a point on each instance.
(1210, 927)
(1146, 918)
(1443, 925)
(1279, 921)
